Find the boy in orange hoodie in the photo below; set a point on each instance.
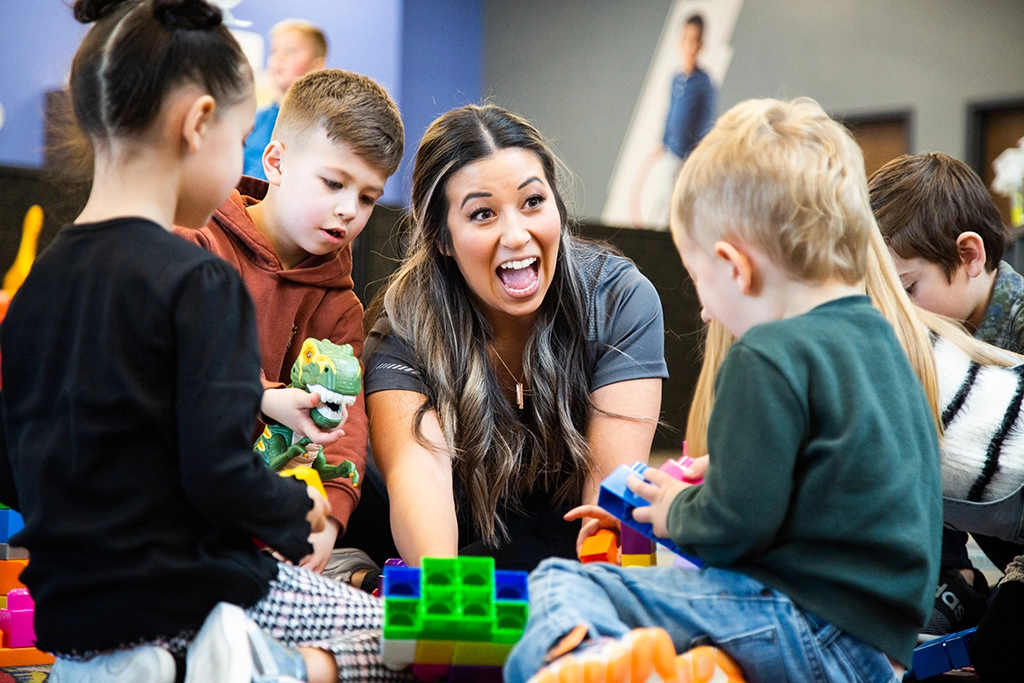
(338, 138)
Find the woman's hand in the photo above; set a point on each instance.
(290, 406)
(597, 519)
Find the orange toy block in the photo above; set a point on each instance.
(9, 571)
(601, 547)
(23, 656)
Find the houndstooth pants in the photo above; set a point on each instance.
(303, 608)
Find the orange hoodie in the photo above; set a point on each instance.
(313, 299)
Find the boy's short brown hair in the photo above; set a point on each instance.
(350, 108)
(924, 202)
(786, 179)
(310, 31)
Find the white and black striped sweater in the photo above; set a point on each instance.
(983, 445)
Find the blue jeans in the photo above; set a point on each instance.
(771, 638)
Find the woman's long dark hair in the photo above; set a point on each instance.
(429, 307)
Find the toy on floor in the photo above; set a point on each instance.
(332, 372)
(941, 655)
(616, 498)
(454, 617)
(30, 229)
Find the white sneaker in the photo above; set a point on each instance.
(230, 648)
(146, 663)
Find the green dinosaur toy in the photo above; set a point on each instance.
(334, 374)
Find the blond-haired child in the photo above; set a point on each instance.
(297, 47)
(820, 519)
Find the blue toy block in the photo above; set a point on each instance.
(401, 582)
(941, 655)
(616, 498)
(510, 585)
(10, 524)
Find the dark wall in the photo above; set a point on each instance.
(378, 250)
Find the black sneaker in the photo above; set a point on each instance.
(958, 604)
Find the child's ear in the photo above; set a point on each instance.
(972, 252)
(272, 157)
(741, 267)
(197, 121)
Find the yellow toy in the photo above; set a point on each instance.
(30, 229)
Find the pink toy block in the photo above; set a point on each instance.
(16, 620)
(674, 468)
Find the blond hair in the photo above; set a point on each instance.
(351, 108)
(786, 179)
(308, 30)
(913, 327)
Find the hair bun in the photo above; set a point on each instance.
(88, 11)
(187, 14)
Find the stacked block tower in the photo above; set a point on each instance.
(454, 618)
(16, 606)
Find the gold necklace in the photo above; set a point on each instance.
(521, 392)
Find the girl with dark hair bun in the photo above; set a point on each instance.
(131, 385)
(511, 366)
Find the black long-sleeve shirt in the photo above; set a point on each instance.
(130, 389)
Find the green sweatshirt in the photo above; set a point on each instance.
(824, 481)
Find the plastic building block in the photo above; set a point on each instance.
(616, 498)
(430, 672)
(481, 654)
(941, 655)
(510, 585)
(635, 543)
(452, 611)
(434, 651)
(648, 560)
(601, 547)
(683, 563)
(475, 674)
(9, 572)
(16, 620)
(10, 524)
(397, 654)
(308, 476)
(12, 552)
(23, 656)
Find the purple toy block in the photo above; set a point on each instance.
(16, 620)
(475, 674)
(394, 562)
(683, 563)
(635, 543)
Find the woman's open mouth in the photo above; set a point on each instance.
(520, 278)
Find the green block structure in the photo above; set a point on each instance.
(451, 613)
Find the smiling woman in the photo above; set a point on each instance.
(510, 365)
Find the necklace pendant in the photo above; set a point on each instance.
(519, 395)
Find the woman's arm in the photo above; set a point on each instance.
(622, 440)
(419, 479)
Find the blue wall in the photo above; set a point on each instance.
(441, 67)
(426, 53)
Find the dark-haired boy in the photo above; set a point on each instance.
(338, 138)
(947, 239)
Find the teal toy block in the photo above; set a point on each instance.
(10, 524)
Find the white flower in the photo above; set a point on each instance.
(1009, 168)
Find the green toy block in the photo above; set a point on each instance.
(510, 620)
(402, 619)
